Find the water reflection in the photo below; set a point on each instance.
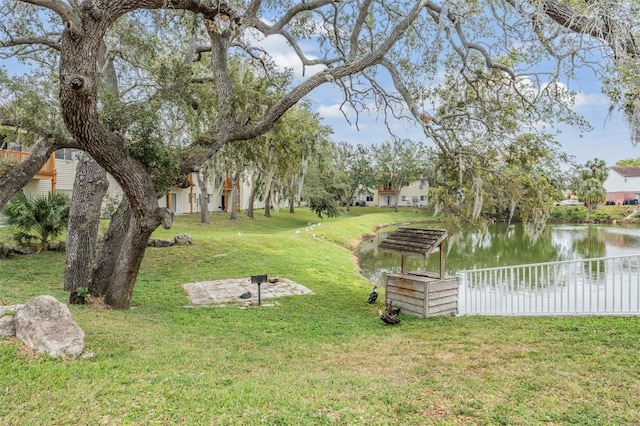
(502, 245)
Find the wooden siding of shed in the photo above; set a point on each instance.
(421, 295)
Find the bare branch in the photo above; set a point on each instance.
(43, 40)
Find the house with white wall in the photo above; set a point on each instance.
(413, 195)
(623, 184)
(58, 174)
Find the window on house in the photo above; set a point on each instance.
(209, 198)
(11, 146)
(369, 198)
(64, 154)
(405, 198)
(423, 198)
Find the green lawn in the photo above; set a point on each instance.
(317, 359)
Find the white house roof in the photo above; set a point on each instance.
(627, 171)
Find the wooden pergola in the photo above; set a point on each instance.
(416, 242)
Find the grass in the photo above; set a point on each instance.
(319, 359)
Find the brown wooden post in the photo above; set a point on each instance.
(443, 248)
(403, 264)
(54, 181)
(191, 199)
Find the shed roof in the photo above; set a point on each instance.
(413, 241)
(627, 171)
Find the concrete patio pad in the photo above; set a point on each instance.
(225, 292)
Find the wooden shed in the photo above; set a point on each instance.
(420, 293)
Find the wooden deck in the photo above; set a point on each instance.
(48, 171)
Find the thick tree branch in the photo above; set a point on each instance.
(614, 33)
(70, 17)
(43, 40)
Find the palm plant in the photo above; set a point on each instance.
(39, 220)
(591, 190)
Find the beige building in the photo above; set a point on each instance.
(413, 195)
(58, 174)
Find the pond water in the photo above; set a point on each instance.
(506, 245)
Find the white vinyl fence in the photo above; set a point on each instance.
(603, 286)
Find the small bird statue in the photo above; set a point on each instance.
(246, 295)
(373, 296)
(273, 280)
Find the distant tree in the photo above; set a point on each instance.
(324, 205)
(356, 173)
(591, 189)
(398, 163)
(322, 189)
(39, 220)
(629, 162)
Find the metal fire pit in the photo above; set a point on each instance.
(259, 279)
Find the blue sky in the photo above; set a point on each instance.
(609, 140)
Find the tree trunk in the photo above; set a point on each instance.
(291, 205)
(252, 197)
(204, 207)
(134, 244)
(267, 205)
(234, 197)
(89, 189)
(397, 196)
(120, 290)
(349, 198)
(111, 246)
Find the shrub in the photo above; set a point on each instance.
(39, 220)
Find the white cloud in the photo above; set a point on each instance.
(585, 100)
(283, 54)
(332, 111)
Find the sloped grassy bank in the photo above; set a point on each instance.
(318, 359)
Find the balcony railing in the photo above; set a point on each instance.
(386, 188)
(48, 171)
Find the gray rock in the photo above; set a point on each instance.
(7, 327)
(159, 243)
(46, 325)
(9, 310)
(183, 239)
